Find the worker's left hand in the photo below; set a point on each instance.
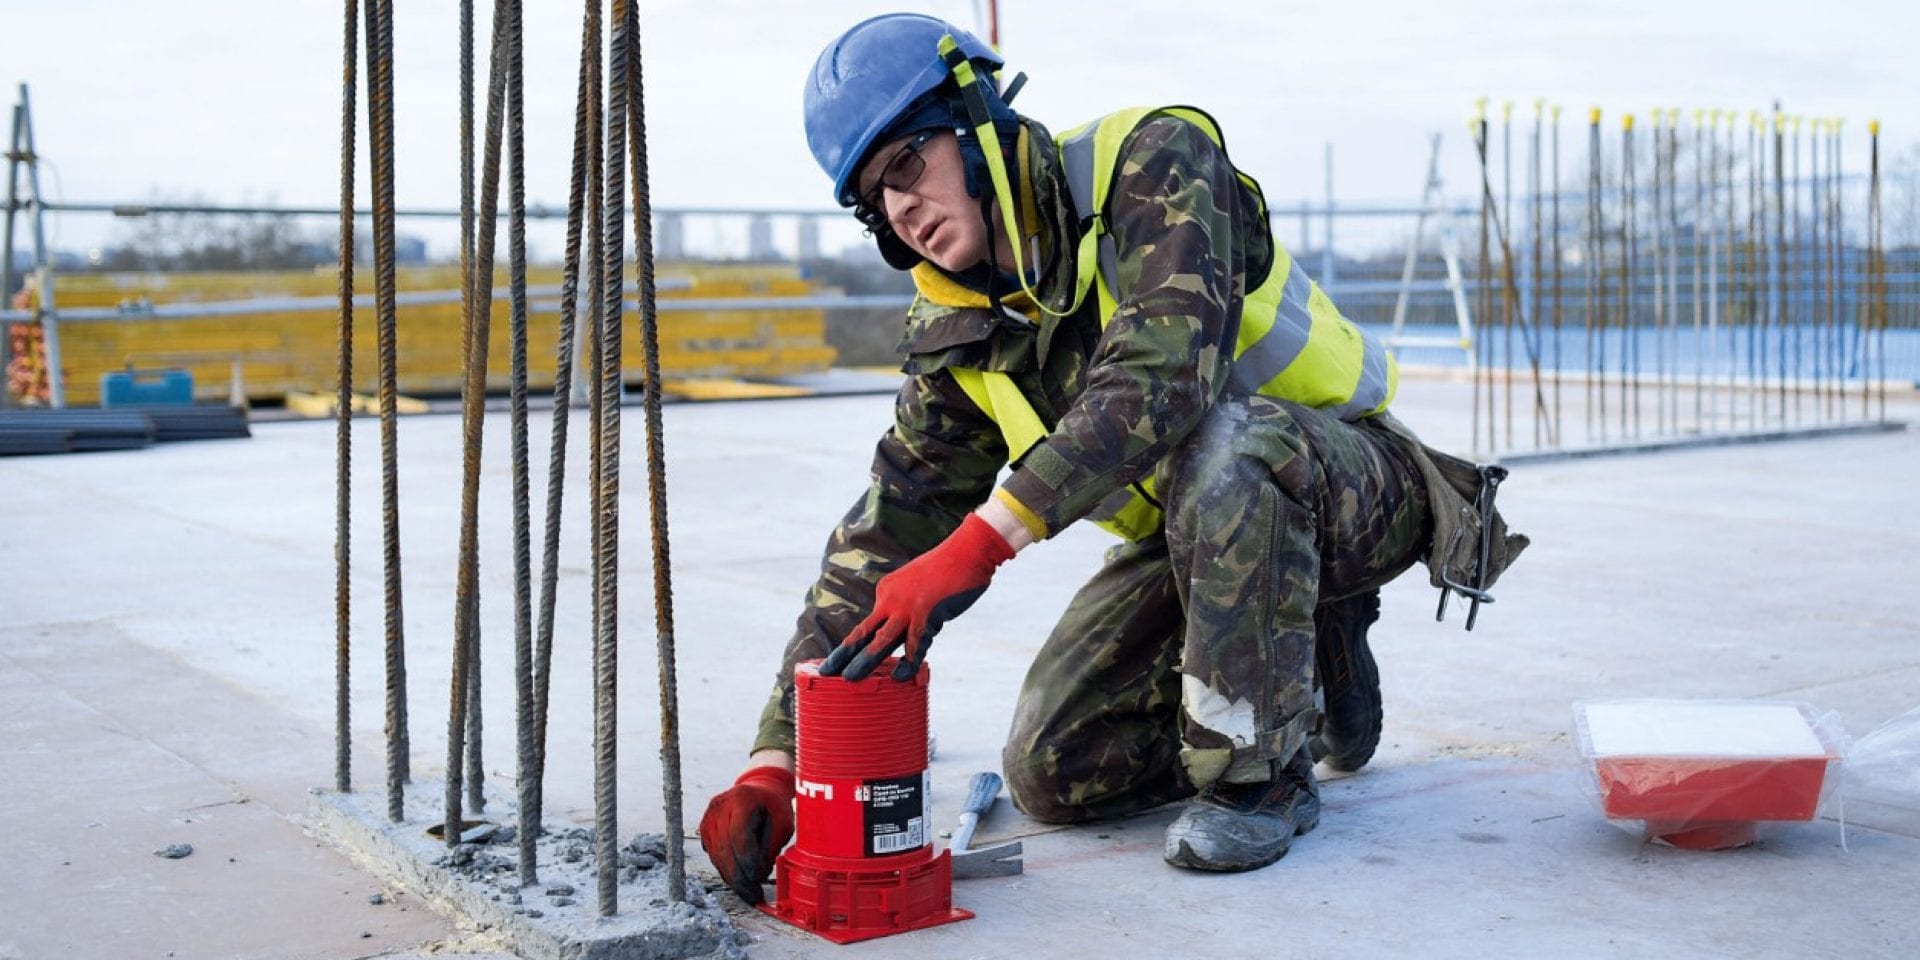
(913, 602)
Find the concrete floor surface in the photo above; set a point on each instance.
(166, 655)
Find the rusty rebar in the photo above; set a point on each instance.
(343, 443)
(517, 413)
(1480, 338)
(1596, 279)
(473, 413)
(656, 476)
(1629, 331)
(607, 520)
(380, 131)
(586, 117)
(1559, 372)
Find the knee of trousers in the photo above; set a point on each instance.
(1242, 445)
(1038, 792)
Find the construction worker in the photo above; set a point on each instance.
(1110, 313)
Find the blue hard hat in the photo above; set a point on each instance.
(868, 78)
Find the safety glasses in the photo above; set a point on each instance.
(900, 171)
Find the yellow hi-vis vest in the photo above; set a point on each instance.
(1293, 342)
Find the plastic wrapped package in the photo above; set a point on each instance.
(1884, 766)
(1703, 774)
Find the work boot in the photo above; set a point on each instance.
(1349, 682)
(1245, 826)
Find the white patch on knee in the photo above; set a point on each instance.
(1223, 715)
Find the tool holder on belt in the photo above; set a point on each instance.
(1471, 543)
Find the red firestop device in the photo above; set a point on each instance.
(862, 863)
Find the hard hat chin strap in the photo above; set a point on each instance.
(974, 94)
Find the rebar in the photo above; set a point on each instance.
(1484, 368)
(1557, 369)
(1659, 270)
(1777, 272)
(656, 476)
(1505, 224)
(343, 442)
(1877, 258)
(517, 407)
(1533, 273)
(380, 136)
(473, 412)
(1596, 294)
(607, 518)
(586, 117)
(1629, 331)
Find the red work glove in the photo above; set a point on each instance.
(746, 826)
(912, 603)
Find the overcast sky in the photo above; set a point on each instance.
(238, 100)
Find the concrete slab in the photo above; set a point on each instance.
(556, 919)
(113, 750)
(1776, 570)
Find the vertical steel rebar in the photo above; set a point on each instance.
(585, 143)
(1759, 283)
(1781, 265)
(607, 533)
(526, 770)
(379, 27)
(1480, 345)
(1533, 273)
(343, 413)
(1835, 198)
(1659, 144)
(1596, 294)
(1814, 255)
(656, 476)
(1558, 372)
(1877, 261)
(1670, 386)
(1505, 223)
(473, 414)
(1629, 329)
(1702, 240)
(1797, 279)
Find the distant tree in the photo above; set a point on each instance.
(215, 241)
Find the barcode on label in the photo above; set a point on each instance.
(913, 837)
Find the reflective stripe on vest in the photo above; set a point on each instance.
(1293, 342)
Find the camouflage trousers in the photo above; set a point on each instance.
(1188, 659)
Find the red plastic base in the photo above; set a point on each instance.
(1688, 790)
(1721, 835)
(847, 900)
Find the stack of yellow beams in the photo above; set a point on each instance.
(295, 351)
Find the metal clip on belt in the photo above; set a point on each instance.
(1490, 477)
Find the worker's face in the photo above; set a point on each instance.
(920, 183)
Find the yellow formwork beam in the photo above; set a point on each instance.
(294, 352)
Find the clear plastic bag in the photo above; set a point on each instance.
(1884, 766)
(1703, 774)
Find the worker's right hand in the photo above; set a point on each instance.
(746, 826)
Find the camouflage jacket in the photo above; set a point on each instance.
(1191, 243)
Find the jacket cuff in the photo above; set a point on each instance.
(776, 728)
(1027, 517)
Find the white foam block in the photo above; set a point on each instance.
(1674, 728)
